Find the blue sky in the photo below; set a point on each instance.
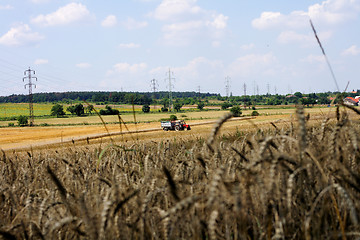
(115, 45)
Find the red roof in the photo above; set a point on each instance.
(353, 99)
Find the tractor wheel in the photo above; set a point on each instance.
(177, 128)
(165, 129)
(188, 128)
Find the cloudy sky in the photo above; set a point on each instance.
(122, 45)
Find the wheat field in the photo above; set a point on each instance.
(294, 181)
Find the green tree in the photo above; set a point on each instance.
(225, 105)
(255, 113)
(89, 109)
(236, 111)
(22, 120)
(77, 109)
(200, 105)
(57, 110)
(177, 106)
(109, 111)
(298, 94)
(146, 108)
(173, 117)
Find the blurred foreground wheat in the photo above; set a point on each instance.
(295, 182)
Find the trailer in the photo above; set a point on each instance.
(177, 125)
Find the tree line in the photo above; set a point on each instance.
(138, 98)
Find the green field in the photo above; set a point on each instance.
(8, 110)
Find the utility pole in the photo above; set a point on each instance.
(154, 86)
(199, 93)
(268, 88)
(170, 89)
(28, 76)
(227, 86)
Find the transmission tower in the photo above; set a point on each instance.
(28, 76)
(171, 85)
(199, 96)
(227, 86)
(244, 86)
(154, 87)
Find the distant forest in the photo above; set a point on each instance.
(184, 98)
(138, 98)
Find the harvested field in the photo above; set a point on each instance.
(15, 138)
(292, 180)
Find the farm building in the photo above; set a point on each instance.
(352, 101)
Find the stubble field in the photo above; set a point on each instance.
(64, 130)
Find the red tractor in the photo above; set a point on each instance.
(177, 125)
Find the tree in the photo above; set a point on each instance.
(236, 111)
(255, 113)
(173, 117)
(89, 109)
(109, 111)
(57, 110)
(200, 105)
(22, 120)
(225, 105)
(177, 106)
(146, 108)
(298, 94)
(77, 109)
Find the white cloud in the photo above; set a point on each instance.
(131, 23)
(129, 45)
(304, 40)
(83, 65)
(253, 65)
(247, 46)
(180, 34)
(215, 43)
(128, 68)
(292, 36)
(313, 59)
(73, 12)
(190, 75)
(219, 22)
(329, 12)
(126, 76)
(40, 1)
(186, 22)
(41, 61)
(353, 50)
(6, 7)
(176, 9)
(109, 21)
(20, 35)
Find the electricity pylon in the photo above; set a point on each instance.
(154, 86)
(171, 85)
(227, 86)
(28, 73)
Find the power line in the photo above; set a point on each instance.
(28, 76)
